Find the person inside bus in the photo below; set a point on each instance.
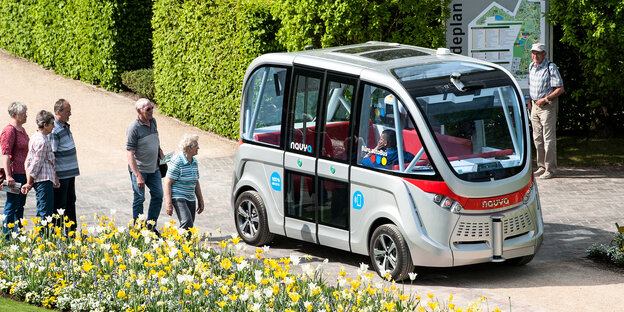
(385, 155)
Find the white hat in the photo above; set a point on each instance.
(539, 47)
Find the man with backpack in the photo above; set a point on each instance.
(545, 86)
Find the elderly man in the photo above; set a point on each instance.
(545, 86)
(66, 163)
(143, 151)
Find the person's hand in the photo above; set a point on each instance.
(200, 207)
(56, 184)
(381, 145)
(10, 181)
(540, 102)
(140, 181)
(26, 188)
(169, 209)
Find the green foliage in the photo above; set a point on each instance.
(140, 81)
(91, 40)
(325, 23)
(588, 45)
(613, 253)
(201, 52)
(8, 305)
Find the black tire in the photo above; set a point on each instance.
(520, 260)
(251, 219)
(389, 253)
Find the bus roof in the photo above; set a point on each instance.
(372, 55)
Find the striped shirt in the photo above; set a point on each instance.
(64, 149)
(184, 175)
(40, 160)
(543, 79)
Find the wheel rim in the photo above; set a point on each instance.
(385, 252)
(247, 216)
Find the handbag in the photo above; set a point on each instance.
(162, 167)
(2, 173)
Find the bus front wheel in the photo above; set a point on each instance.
(251, 219)
(389, 253)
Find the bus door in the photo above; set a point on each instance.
(333, 163)
(316, 161)
(301, 155)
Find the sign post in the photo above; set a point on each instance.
(501, 32)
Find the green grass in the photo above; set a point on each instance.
(590, 152)
(10, 305)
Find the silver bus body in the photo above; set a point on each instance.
(409, 155)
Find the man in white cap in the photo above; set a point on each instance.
(545, 86)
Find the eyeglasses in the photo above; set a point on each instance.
(149, 108)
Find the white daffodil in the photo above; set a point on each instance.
(295, 259)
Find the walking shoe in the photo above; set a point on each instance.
(547, 175)
(539, 172)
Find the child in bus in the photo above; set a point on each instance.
(385, 154)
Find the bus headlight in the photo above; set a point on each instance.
(447, 203)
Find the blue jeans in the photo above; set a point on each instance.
(44, 192)
(65, 198)
(186, 212)
(14, 206)
(153, 181)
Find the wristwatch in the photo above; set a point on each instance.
(547, 100)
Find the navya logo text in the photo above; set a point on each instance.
(501, 202)
(301, 147)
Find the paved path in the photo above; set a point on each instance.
(579, 208)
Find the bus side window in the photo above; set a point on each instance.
(393, 142)
(263, 105)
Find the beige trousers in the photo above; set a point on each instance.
(544, 122)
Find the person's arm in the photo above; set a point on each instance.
(167, 191)
(29, 183)
(135, 169)
(550, 97)
(200, 198)
(6, 164)
(34, 166)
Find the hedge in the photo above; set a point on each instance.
(201, 52)
(91, 40)
(202, 48)
(326, 23)
(588, 45)
(140, 81)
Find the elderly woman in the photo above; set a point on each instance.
(182, 183)
(40, 166)
(14, 143)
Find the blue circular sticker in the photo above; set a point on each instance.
(276, 182)
(358, 200)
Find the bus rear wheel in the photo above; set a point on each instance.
(389, 253)
(251, 219)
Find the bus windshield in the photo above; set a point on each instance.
(475, 114)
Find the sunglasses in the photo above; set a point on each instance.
(149, 109)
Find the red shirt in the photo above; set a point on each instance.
(19, 151)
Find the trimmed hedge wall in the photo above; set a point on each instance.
(201, 52)
(328, 23)
(91, 40)
(202, 48)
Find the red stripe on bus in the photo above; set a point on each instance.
(488, 203)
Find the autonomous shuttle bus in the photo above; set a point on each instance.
(410, 155)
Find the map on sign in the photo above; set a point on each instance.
(503, 37)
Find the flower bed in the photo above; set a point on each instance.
(109, 268)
